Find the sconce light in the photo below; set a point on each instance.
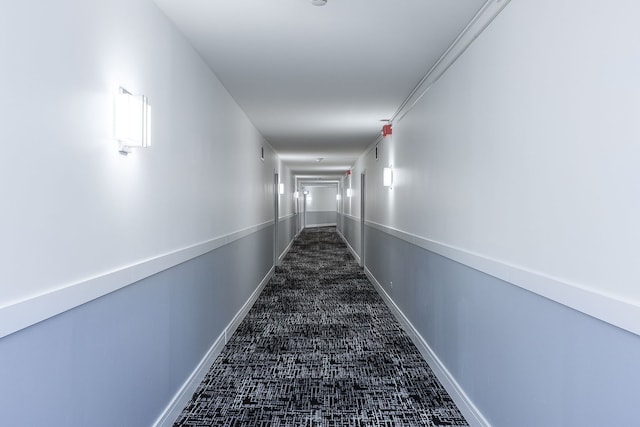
(296, 194)
(338, 197)
(281, 188)
(387, 177)
(349, 192)
(133, 121)
(305, 192)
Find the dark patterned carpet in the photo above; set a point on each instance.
(320, 348)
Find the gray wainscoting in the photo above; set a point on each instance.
(286, 233)
(522, 359)
(351, 232)
(120, 359)
(321, 218)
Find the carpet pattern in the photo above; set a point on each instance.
(320, 348)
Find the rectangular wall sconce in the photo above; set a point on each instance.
(387, 177)
(338, 197)
(133, 121)
(281, 188)
(296, 194)
(349, 192)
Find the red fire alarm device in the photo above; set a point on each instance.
(386, 130)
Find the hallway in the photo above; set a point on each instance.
(478, 158)
(320, 348)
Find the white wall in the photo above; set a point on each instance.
(524, 156)
(323, 199)
(73, 208)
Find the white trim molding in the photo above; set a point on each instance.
(286, 217)
(615, 311)
(471, 413)
(489, 11)
(184, 394)
(22, 314)
(351, 217)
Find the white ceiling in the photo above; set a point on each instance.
(316, 81)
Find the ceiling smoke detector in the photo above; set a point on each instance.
(318, 2)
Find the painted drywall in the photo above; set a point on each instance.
(525, 151)
(516, 163)
(120, 359)
(321, 199)
(522, 359)
(75, 209)
(286, 234)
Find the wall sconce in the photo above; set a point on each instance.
(296, 195)
(133, 121)
(387, 177)
(338, 197)
(349, 192)
(305, 192)
(281, 188)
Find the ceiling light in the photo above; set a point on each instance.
(318, 2)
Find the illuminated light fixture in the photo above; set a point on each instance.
(318, 2)
(296, 195)
(349, 192)
(387, 177)
(133, 121)
(338, 197)
(281, 188)
(305, 192)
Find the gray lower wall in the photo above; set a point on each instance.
(119, 360)
(351, 230)
(522, 359)
(320, 218)
(286, 232)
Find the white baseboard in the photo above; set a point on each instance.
(286, 251)
(353, 252)
(471, 413)
(183, 396)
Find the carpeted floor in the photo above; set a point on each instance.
(320, 348)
